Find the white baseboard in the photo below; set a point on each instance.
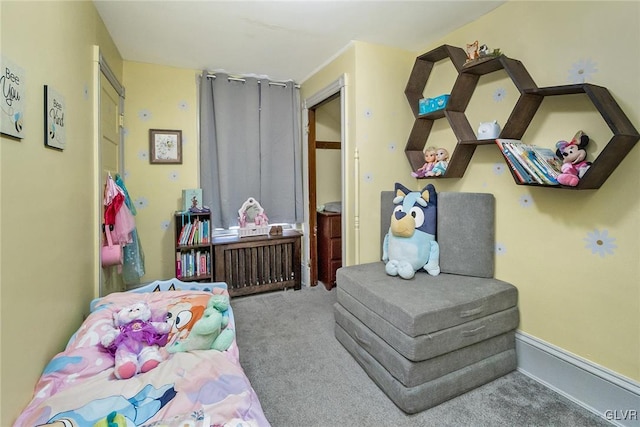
(610, 395)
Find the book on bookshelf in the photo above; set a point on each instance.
(550, 159)
(202, 263)
(539, 164)
(518, 170)
(541, 169)
(515, 147)
(178, 265)
(185, 229)
(192, 232)
(192, 198)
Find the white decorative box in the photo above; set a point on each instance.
(253, 230)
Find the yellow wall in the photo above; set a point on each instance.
(159, 98)
(584, 303)
(570, 297)
(48, 211)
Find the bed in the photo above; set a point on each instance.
(193, 388)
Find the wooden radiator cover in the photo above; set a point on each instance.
(251, 265)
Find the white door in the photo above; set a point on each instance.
(110, 162)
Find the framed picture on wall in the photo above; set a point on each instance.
(165, 146)
(54, 119)
(12, 104)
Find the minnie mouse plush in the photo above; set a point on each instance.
(573, 155)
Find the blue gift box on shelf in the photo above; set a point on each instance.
(428, 105)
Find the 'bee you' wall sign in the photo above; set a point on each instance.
(12, 85)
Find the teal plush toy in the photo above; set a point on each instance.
(209, 331)
(410, 244)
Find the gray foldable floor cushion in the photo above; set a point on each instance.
(409, 373)
(430, 393)
(425, 303)
(392, 318)
(429, 338)
(464, 291)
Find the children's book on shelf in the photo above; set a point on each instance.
(518, 170)
(194, 233)
(550, 159)
(530, 163)
(192, 199)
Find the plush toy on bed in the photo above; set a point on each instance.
(209, 331)
(410, 244)
(135, 340)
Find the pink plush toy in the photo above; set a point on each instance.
(135, 340)
(573, 155)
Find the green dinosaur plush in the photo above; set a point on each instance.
(209, 332)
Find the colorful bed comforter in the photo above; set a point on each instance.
(196, 388)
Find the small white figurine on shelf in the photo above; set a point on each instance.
(489, 130)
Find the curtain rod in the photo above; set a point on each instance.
(238, 79)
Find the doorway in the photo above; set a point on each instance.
(110, 148)
(325, 167)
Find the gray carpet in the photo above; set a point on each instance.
(304, 377)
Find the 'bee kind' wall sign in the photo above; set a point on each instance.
(54, 119)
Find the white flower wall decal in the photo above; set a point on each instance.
(582, 71)
(183, 105)
(499, 168)
(143, 154)
(144, 115)
(164, 225)
(525, 201)
(141, 202)
(600, 243)
(501, 249)
(499, 94)
(174, 176)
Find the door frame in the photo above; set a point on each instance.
(310, 104)
(100, 68)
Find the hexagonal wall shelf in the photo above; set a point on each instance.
(463, 91)
(414, 92)
(625, 136)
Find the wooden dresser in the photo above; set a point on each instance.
(329, 247)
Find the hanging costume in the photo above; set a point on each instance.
(119, 221)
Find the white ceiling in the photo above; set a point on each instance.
(284, 40)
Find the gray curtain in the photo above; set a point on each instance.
(250, 146)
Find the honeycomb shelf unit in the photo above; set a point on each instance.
(415, 87)
(625, 136)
